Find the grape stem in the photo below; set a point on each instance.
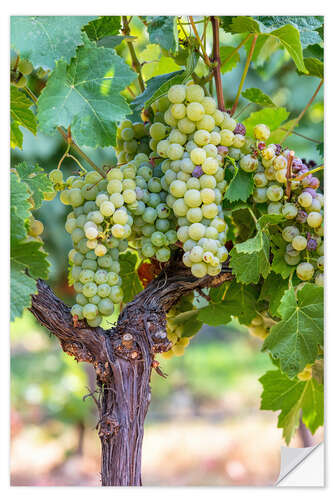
(317, 169)
(205, 56)
(289, 174)
(135, 61)
(217, 63)
(246, 68)
(300, 116)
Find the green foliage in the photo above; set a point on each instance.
(163, 31)
(306, 25)
(257, 96)
(228, 63)
(131, 284)
(50, 39)
(104, 26)
(295, 339)
(86, 96)
(230, 300)
(37, 181)
(272, 291)
(240, 186)
(292, 396)
(272, 117)
(21, 116)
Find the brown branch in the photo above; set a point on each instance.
(289, 173)
(217, 61)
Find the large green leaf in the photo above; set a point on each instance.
(292, 396)
(230, 299)
(272, 291)
(163, 31)
(295, 339)
(36, 179)
(244, 24)
(272, 117)
(86, 95)
(20, 110)
(131, 284)
(46, 39)
(306, 25)
(257, 96)
(314, 66)
(30, 255)
(102, 27)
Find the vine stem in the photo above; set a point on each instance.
(246, 68)
(68, 139)
(135, 61)
(313, 171)
(206, 58)
(302, 113)
(301, 135)
(217, 61)
(289, 173)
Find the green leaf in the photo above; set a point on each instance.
(86, 96)
(277, 135)
(29, 255)
(102, 27)
(278, 249)
(131, 284)
(318, 371)
(188, 321)
(272, 117)
(16, 136)
(230, 299)
(258, 97)
(272, 291)
(320, 149)
(314, 66)
(158, 86)
(46, 39)
(306, 25)
(295, 339)
(269, 219)
(264, 49)
(163, 31)
(248, 267)
(112, 42)
(244, 24)
(19, 110)
(19, 195)
(225, 52)
(243, 220)
(21, 289)
(290, 39)
(36, 179)
(316, 51)
(240, 187)
(292, 396)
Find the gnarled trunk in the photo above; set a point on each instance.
(123, 358)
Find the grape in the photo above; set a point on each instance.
(305, 271)
(194, 93)
(207, 122)
(261, 132)
(90, 311)
(314, 219)
(178, 111)
(192, 198)
(280, 163)
(25, 67)
(103, 290)
(208, 103)
(194, 215)
(177, 94)
(248, 163)
(202, 137)
(299, 243)
(198, 156)
(305, 199)
(292, 260)
(100, 249)
(158, 131)
(89, 289)
(195, 231)
(116, 294)
(195, 111)
(163, 254)
(227, 137)
(210, 166)
(320, 263)
(319, 279)
(289, 211)
(178, 188)
(36, 227)
(199, 270)
(56, 176)
(260, 195)
(289, 233)
(186, 126)
(105, 307)
(77, 310)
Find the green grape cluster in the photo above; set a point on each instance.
(303, 207)
(175, 327)
(20, 70)
(132, 139)
(260, 326)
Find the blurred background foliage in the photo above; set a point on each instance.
(215, 382)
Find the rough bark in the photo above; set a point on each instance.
(123, 358)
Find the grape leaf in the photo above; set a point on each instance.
(113, 41)
(292, 396)
(102, 27)
(131, 284)
(36, 179)
(316, 51)
(272, 117)
(278, 249)
(86, 96)
(244, 24)
(29, 254)
(46, 39)
(244, 223)
(320, 149)
(19, 195)
(264, 49)
(248, 267)
(258, 97)
(269, 219)
(16, 136)
(225, 53)
(20, 110)
(314, 66)
(272, 291)
(189, 322)
(240, 187)
(306, 25)
(290, 39)
(230, 299)
(163, 31)
(278, 134)
(158, 86)
(21, 289)
(295, 339)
